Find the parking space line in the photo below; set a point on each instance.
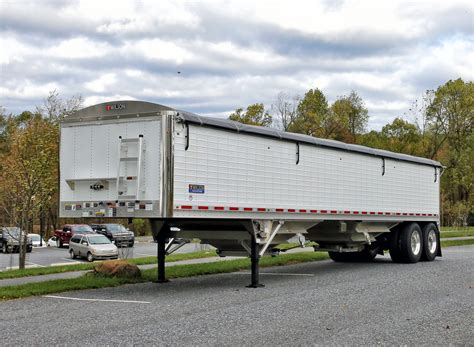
(279, 274)
(95, 300)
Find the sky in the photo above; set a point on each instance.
(211, 57)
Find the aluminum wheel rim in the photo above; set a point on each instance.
(415, 242)
(432, 241)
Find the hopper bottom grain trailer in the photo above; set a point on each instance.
(245, 189)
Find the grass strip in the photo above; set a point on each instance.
(93, 282)
(451, 243)
(459, 229)
(457, 233)
(89, 266)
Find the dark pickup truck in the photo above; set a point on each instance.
(64, 235)
(10, 240)
(116, 233)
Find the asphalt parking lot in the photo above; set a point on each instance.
(60, 256)
(313, 303)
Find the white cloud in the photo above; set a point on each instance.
(79, 47)
(233, 53)
(100, 84)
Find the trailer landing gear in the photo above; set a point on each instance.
(161, 258)
(255, 259)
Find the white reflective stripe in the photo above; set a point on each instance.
(95, 300)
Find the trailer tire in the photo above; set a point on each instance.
(411, 243)
(430, 242)
(394, 245)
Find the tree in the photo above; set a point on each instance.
(450, 117)
(254, 115)
(55, 108)
(285, 109)
(402, 136)
(29, 175)
(313, 116)
(350, 115)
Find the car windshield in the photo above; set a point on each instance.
(115, 228)
(34, 237)
(81, 229)
(13, 231)
(98, 240)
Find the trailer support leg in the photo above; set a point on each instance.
(255, 258)
(161, 257)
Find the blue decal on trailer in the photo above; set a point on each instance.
(197, 188)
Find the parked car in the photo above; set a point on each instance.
(64, 235)
(10, 240)
(37, 241)
(116, 233)
(92, 246)
(52, 241)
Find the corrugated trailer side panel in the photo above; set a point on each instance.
(249, 173)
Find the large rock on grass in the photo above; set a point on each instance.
(117, 268)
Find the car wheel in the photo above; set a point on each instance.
(132, 243)
(72, 254)
(430, 242)
(29, 249)
(90, 257)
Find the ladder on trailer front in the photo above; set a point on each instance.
(123, 158)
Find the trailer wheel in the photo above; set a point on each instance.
(430, 242)
(410, 244)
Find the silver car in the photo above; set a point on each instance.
(92, 246)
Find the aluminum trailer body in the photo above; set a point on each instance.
(244, 188)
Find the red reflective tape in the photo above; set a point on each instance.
(355, 212)
(423, 214)
(347, 212)
(203, 207)
(411, 214)
(314, 211)
(418, 214)
(261, 209)
(219, 208)
(379, 212)
(186, 207)
(248, 209)
(324, 211)
(405, 214)
(364, 212)
(387, 213)
(291, 210)
(303, 211)
(233, 208)
(398, 213)
(429, 214)
(279, 210)
(333, 211)
(372, 212)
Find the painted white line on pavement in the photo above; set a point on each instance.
(62, 264)
(95, 300)
(36, 265)
(277, 274)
